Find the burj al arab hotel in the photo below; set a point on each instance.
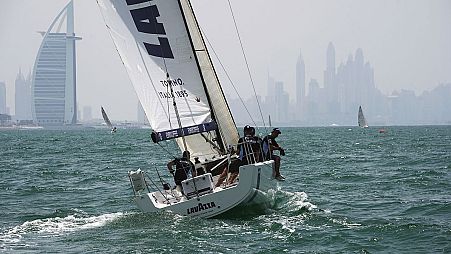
(54, 73)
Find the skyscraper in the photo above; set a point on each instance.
(300, 87)
(330, 59)
(357, 80)
(315, 102)
(281, 103)
(3, 98)
(23, 97)
(330, 84)
(54, 74)
(270, 99)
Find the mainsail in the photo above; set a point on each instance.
(163, 51)
(361, 119)
(105, 118)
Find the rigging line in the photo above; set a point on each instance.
(167, 75)
(178, 116)
(155, 185)
(162, 183)
(218, 131)
(110, 32)
(247, 65)
(167, 102)
(167, 151)
(151, 81)
(228, 77)
(174, 104)
(211, 143)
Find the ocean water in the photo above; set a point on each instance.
(348, 190)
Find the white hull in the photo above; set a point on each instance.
(254, 181)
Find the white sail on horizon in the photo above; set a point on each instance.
(105, 118)
(361, 119)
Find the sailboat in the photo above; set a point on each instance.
(361, 119)
(107, 120)
(166, 58)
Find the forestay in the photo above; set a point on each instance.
(161, 48)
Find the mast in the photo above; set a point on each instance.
(213, 116)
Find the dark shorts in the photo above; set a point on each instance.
(179, 176)
(275, 157)
(271, 157)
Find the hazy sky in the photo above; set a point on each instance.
(408, 43)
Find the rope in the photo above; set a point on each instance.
(228, 77)
(247, 65)
(156, 186)
(167, 151)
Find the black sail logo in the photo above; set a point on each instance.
(145, 19)
(200, 207)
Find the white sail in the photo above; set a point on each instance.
(161, 48)
(227, 127)
(105, 118)
(361, 119)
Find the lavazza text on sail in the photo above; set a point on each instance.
(166, 58)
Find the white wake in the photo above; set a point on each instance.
(55, 226)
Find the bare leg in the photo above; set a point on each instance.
(277, 165)
(222, 177)
(233, 178)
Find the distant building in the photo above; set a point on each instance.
(315, 100)
(5, 120)
(329, 73)
(357, 80)
(281, 104)
(87, 113)
(300, 88)
(270, 96)
(23, 97)
(331, 88)
(3, 98)
(54, 74)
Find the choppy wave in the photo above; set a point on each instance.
(56, 226)
(346, 191)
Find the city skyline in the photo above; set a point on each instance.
(347, 86)
(338, 97)
(389, 44)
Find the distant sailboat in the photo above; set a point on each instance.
(269, 119)
(107, 120)
(361, 119)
